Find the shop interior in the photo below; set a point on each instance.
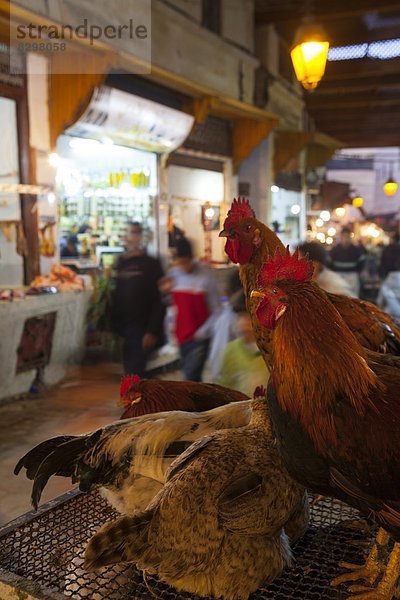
(195, 197)
(101, 187)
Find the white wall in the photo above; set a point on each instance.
(238, 22)
(362, 181)
(369, 184)
(39, 139)
(190, 7)
(11, 264)
(255, 170)
(290, 225)
(178, 44)
(188, 190)
(199, 55)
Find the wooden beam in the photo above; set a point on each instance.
(366, 84)
(287, 145)
(247, 134)
(199, 108)
(356, 115)
(284, 12)
(343, 70)
(382, 139)
(348, 102)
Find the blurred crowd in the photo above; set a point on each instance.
(210, 326)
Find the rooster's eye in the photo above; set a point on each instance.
(275, 291)
(249, 227)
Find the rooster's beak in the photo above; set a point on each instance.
(224, 233)
(256, 294)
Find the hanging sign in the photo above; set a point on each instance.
(117, 117)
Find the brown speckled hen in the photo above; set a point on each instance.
(217, 526)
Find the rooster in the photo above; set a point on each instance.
(217, 526)
(144, 396)
(250, 243)
(334, 408)
(127, 459)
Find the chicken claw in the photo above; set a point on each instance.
(374, 565)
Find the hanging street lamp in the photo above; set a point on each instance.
(390, 187)
(309, 54)
(358, 201)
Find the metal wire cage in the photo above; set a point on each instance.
(42, 554)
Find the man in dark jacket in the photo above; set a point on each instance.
(137, 308)
(390, 260)
(348, 259)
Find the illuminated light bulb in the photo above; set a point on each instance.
(340, 211)
(295, 209)
(54, 159)
(209, 213)
(329, 241)
(358, 201)
(320, 236)
(309, 54)
(325, 215)
(274, 189)
(331, 231)
(390, 187)
(319, 222)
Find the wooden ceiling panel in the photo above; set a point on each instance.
(358, 101)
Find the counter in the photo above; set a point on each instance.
(66, 317)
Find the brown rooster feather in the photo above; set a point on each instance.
(334, 405)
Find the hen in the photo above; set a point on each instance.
(216, 528)
(250, 243)
(334, 408)
(127, 459)
(144, 396)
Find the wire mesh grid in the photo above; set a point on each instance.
(47, 550)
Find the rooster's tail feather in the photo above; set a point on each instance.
(123, 540)
(60, 461)
(33, 459)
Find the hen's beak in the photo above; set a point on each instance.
(224, 233)
(256, 294)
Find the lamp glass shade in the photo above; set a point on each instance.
(358, 201)
(309, 54)
(390, 187)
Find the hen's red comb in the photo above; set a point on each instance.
(127, 383)
(285, 267)
(240, 208)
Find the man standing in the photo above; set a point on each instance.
(348, 259)
(390, 260)
(137, 307)
(196, 301)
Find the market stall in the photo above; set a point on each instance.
(107, 173)
(42, 330)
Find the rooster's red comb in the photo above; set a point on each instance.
(127, 383)
(240, 208)
(285, 267)
(259, 392)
